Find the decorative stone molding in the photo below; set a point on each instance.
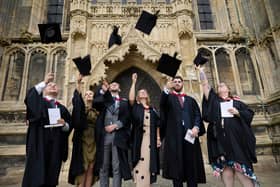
(275, 28)
(131, 9)
(13, 116)
(236, 37)
(25, 36)
(79, 4)
(133, 37)
(4, 42)
(78, 26)
(185, 26)
(181, 5)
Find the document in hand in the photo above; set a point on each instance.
(54, 115)
(189, 136)
(225, 106)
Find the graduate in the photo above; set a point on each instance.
(179, 113)
(230, 139)
(112, 135)
(83, 121)
(145, 137)
(46, 143)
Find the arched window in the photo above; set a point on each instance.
(248, 80)
(205, 14)
(37, 68)
(225, 69)
(55, 11)
(209, 66)
(58, 67)
(13, 79)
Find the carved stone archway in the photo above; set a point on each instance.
(134, 51)
(134, 62)
(144, 81)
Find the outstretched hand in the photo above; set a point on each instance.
(169, 84)
(105, 86)
(49, 77)
(134, 77)
(197, 67)
(80, 78)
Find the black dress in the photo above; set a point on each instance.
(230, 141)
(140, 115)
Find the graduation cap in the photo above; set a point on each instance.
(50, 32)
(147, 22)
(168, 65)
(199, 59)
(115, 38)
(83, 65)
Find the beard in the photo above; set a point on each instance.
(114, 90)
(178, 89)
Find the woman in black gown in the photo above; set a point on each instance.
(230, 140)
(84, 146)
(145, 137)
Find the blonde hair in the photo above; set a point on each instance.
(148, 100)
(229, 90)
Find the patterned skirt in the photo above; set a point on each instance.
(219, 166)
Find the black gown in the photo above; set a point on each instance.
(235, 139)
(182, 160)
(45, 148)
(122, 135)
(137, 135)
(80, 124)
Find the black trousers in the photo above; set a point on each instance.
(190, 183)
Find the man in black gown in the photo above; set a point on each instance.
(112, 135)
(182, 160)
(46, 148)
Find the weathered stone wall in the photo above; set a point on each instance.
(252, 25)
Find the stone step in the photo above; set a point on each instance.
(13, 177)
(11, 156)
(13, 133)
(12, 161)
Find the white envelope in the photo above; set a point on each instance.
(189, 136)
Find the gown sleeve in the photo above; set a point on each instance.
(33, 102)
(101, 100)
(197, 118)
(208, 105)
(163, 114)
(246, 117)
(79, 119)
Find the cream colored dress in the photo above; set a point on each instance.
(141, 171)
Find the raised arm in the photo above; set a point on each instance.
(132, 89)
(79, 83)
(163, 107)
(41, 86)
(204, 81)
(101, 95)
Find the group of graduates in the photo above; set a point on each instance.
(107, 128)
